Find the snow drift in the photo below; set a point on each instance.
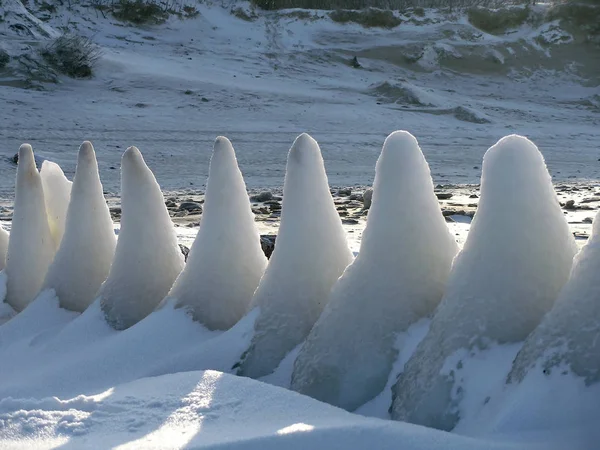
(226, 261)
(397, 278)
(83, 260)
(147, 258)
(517, 256)
(310, 254)
(31, 247)
(57, 193)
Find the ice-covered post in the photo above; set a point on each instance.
(517, 256)
(397, 278)
(226, 261)
(147, 258)
(310, 254)
(30, 247)
(87, 249)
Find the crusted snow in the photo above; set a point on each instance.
(31, 247)
(147, 258)
(85, 255)
(226, 261)
(311, 253)
(397, 278)
(517, 257)
(57, 193)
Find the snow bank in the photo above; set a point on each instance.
(147, 258)
(3, 247)
(57, 193)
(310, 254)
(517, 256)
(397, 278)
(83, 260)
(226, 261)
(31, 247)
(215, 410)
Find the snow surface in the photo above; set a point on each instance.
(147, 258)
(31, 247)
(57, 193)
(310, 254)
(397, 278)
(226, 262)
(85, 255)
(517, 257)
(212, 410)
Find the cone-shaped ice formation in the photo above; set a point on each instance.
(88, 247)
(397, 278)
(31, 247)
(57, 193)
(569, 332)
(310, 254)
(226, 261)
(3, 247)
(517, 256)
(147, 258)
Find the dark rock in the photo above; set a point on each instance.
(267, 243)
(115, 211)
(350, 221)
(443, 195)
(190, 207)
(588, 220)
(185, 250)
(170, 204)
(473, 196)
(344, 192)
(449, 219)
(354, 63)
(570, 205)
(264, 196)
(274, 206)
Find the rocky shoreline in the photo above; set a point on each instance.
(580, 202)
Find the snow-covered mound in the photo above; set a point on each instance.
(57, 193)
(310, 254)
(397, 278)
(517, 256)
(147, 258)
(212, 410)
(3, 246)
(226, 261)
(85, 255)
(31, 247)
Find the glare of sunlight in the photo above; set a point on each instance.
(183, 424)
(295, 428)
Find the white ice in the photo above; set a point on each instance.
(85, 255)
(226, 261)
(517, 256)
(57, 192)
(310, 254)
(31, 246)
(147, 258)
(397, 278)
